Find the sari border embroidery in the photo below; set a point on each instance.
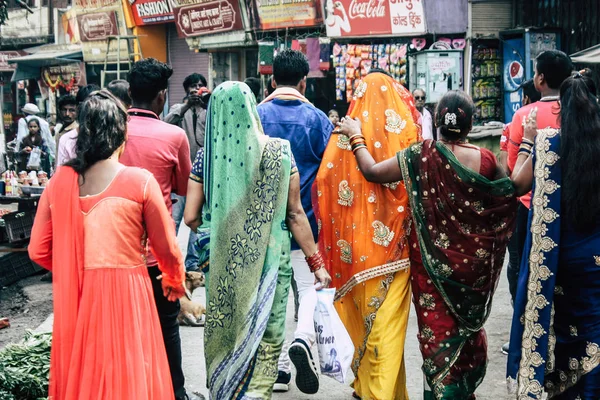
(375, 304)
(368, 274)
(542, 215)
(577, 368)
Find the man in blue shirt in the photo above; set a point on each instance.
(287, 114)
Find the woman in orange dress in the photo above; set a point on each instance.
(364, 241)
(91, 231)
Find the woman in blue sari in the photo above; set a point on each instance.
(555, 337)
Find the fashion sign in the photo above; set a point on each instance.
(353, 18)
(148, 12)
(208, 17)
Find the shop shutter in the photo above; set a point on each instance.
(184, 62)
(491, 16)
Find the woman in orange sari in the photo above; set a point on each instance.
(91, 231)
(363, 238)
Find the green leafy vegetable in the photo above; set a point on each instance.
(24, 368)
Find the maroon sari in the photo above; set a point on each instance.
(461, 225)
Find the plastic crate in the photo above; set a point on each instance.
(16, 266)
(18, 226)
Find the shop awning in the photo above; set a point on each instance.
(28, 67)
(588, 56)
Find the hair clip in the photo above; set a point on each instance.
(461, 112)
(450, 119)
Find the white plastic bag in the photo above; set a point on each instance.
(35, 158)
(334, 343)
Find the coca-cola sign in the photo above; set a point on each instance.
(97, 26)
(208, 17)
(355, 18)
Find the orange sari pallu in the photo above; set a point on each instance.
(364, 240)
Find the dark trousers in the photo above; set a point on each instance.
(516, 248)
(167, 313)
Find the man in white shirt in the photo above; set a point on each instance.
(427, 120)
(30, 111)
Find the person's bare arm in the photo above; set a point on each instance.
(522, 175)
(384, 172)
(503, 161)
(192, 215)
(298, 224)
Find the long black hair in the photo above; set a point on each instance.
(102, 130)
(579, 153)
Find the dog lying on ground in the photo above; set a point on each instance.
(191, 312)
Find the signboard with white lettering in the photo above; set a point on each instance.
(94, 45)
(148, 12)
(208, 17)
(355, 18)
(5, 56)
(97, 26)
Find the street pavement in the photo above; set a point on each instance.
(492, 388)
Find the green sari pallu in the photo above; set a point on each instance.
(246, 182)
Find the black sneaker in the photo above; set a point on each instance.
(282, 384)
(307, 377)
(505, 348)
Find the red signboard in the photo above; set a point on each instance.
(357, 18)
(148, 12)
(97, 26)
(208, 17)
(5, 57)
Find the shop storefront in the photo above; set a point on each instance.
(215, 34)
(297, 25)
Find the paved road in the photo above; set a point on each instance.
(492, 388)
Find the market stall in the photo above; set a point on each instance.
(19, 196)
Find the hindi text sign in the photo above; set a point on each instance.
(208, 17)
(97, 26)
(5, 56)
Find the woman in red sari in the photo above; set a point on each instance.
(91, 231)
(462, 217)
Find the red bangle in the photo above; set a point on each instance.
(315, 262)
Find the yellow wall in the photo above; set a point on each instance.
(153, 39)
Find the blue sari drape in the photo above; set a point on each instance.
(555, 335)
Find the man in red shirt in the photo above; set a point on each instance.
(530, 95)
(552, 67)
(162, 149)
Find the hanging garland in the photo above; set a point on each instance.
(59, 82)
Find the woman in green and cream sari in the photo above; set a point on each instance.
(250, 194)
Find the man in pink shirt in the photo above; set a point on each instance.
(162, 149)
(551, 69)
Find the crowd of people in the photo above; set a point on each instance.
(387, 203)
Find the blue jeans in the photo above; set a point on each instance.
(191, 258)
